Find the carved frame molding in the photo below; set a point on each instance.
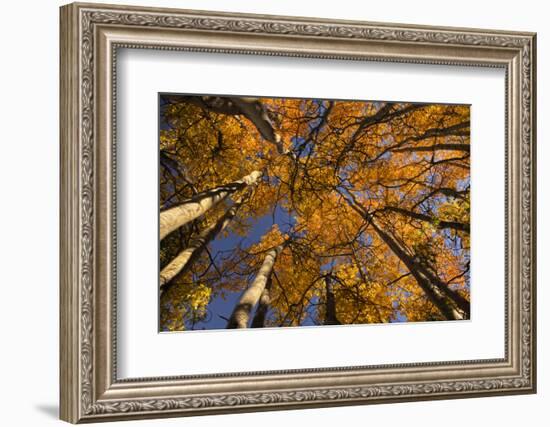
(90, 37)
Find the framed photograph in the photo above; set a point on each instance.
(267, 212)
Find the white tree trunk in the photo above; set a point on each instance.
(250, 297)
(197, 244)
(263, 306)
(175, 217)
(251, 108)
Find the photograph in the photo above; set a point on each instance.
(302, 212)
(278, 209)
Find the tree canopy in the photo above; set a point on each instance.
(288, 212)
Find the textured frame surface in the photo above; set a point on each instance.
(90, 36)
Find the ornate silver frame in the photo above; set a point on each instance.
(90, 36)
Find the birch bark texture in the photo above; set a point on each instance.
(181, 263)
(173, 218)
(263, 306)
(250, 297)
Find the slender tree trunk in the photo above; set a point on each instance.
(250, 297)
(251, 108)
(263, 306)
(198, 205)
(436, 291)
(435, 147)
(181, 263)
(330, 304)
(462, 303)
(254, 111)
(456, 225)
(449, 303)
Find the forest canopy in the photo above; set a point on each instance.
(301, 212)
